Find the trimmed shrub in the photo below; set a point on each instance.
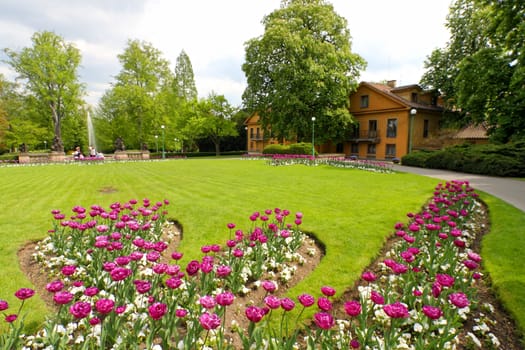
(275, 149)
(295, 148)
(9, 158)
(495, 160)
(301, 148)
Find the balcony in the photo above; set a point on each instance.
(256, 137)
(371, 136)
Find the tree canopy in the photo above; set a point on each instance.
(134, 107)
(184, 82)
(481, 70)
(217, 115)
(302, 67)
(49, 70)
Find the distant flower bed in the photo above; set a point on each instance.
(340, 162)
(117, 285)
(362, 164)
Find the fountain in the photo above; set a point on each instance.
(91, 132)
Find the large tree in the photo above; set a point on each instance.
(302, 67)
(21, 122)
(481, 70)
(217, 119)
(49, 70)
(135, 107)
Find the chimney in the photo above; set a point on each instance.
(391, 83)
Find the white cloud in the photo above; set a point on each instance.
(393, 36)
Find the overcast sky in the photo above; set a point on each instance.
(394, 37)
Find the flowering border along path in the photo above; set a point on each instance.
(112, 291)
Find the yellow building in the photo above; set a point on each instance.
(391, 121)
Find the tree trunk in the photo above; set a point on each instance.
(57, 141)
(217, 148)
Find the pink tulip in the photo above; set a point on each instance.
(396, 310)
(80, 309)
(328, 291)
(104, 306)
(352, 308)
(254, 314)
(62, 297)
(324, 320)
(209, 321)
(306, 300)
(157, 310)
(24, 293)
(432, 312)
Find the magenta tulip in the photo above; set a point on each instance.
(396, 310)
(352, 308)
(209, 321)
(324, 320)
(24, 293)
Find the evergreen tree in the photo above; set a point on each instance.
(184, 82)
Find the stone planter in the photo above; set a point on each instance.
(26, 158)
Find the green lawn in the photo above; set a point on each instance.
(351, 211)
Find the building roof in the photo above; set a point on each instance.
(472, 131)
(389, 90)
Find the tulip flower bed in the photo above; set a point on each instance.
(361, 164)
(339, 162)
(116, 285)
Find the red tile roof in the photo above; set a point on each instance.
(472, 132)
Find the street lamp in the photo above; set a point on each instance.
(45, 145)
(413, 113)
(157, 142)
(163, 138)
(313, 138)
(175, 148)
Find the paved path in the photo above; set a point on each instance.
(510, 190)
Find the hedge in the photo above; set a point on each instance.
(295, 148)
(496, 160)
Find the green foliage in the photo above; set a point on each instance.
(9, 157)
(275, 149)
(302, 67)
(495, 160)
(49, 69)
(184, 82)
(481, 71)
(300, 148)
(135, 108)
(295, 148)
(216, 115)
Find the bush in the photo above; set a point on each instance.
(9, 158)
(275, 149)
(495, 160)
(295, 148)
(301, 148)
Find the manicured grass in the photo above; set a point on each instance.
(503, 251)
(350, 211)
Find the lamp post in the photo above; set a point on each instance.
(175, 148)
(45, 145)
(157, 142)
(413, 113)
(313, 137)
(163, 138)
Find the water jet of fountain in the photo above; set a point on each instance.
(91, 132)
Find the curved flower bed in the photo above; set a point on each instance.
(113, 289)
(339, 162)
